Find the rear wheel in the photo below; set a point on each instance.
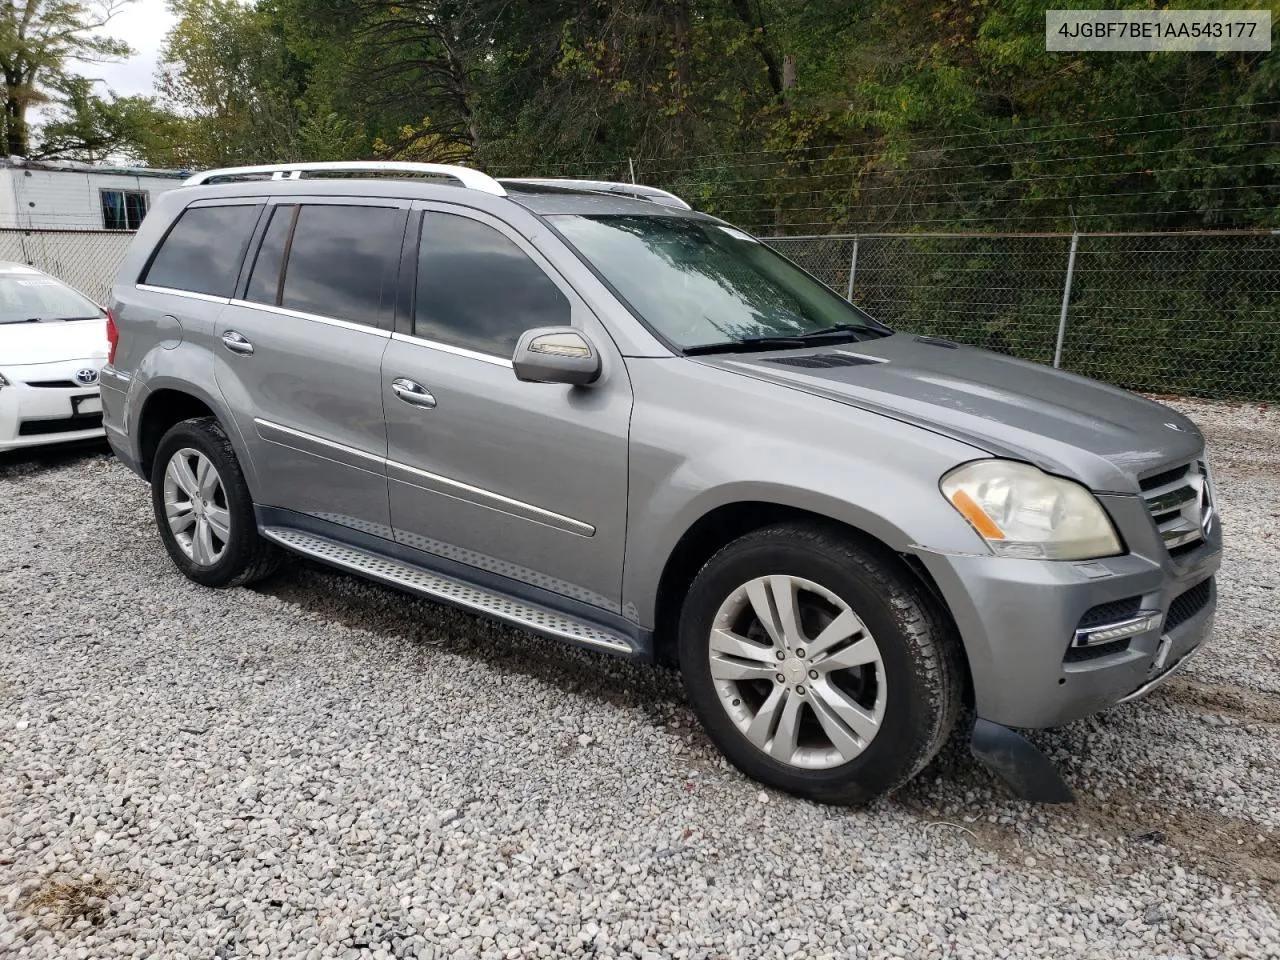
(203, 508)
(818, 666)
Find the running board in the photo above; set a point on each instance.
(468, 596)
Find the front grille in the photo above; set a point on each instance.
(1180, 503)
(35, 428)
(823, 360)
(58, 384)
(1187, 605)
(1164, 477)
(1110, 612)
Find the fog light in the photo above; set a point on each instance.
(1143, 621)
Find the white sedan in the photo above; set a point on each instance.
(53, 342)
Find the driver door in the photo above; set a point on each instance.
(524, 480)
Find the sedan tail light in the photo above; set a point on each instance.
(113, 338)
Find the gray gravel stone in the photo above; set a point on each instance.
(319, 767)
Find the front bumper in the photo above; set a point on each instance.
(1017, 620)
(45, 404)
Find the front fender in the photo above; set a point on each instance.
(794, 450)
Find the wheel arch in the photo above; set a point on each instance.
(725, 523)
(169, 403)
(160, 412)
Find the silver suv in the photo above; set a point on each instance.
(587, 410)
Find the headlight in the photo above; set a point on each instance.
(1023, 512)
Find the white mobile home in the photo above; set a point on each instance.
(62, 195)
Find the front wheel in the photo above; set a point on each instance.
(203, 508)
(817, 665)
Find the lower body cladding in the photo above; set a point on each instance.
(44, 403)
(1052, 642)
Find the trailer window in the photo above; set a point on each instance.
(123, 209)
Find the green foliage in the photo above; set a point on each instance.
(223, 75)
(895, 114)
(39, 40)
(91, 128)
(787, 118)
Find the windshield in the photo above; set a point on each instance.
(699, 283)
(35, 297)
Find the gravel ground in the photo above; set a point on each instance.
(320, 767)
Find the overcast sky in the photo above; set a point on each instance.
(141, 24)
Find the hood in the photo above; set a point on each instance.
(1065, 424)
(28, 343)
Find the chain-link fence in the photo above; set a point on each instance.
(1190, 314)
(85, 259)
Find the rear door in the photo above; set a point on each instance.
(525, 480)
(299, 352)
(187, 283)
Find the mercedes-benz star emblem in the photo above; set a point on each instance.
(87, 376)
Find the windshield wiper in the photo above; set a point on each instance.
(836, 333)
(748, 345)
(839, 328)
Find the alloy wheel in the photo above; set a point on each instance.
(195, 505)
(797, 671)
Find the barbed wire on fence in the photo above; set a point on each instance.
(988, 135)
(1215, 166)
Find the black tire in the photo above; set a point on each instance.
(246, 557)
(921, 659)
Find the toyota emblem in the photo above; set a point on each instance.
(87, 375)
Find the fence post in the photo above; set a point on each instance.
(631, 165)
(1066, 299)
(853, 268)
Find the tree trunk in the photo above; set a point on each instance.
(760, 40)
(15, 126)
(15, 115)
(788, 79)
(681, 30)
(459, 87)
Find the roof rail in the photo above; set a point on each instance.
(636, 190)
(471, 179)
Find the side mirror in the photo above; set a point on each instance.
(556, 355)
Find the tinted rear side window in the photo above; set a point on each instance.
(264, 281)
(202, 252)
(342, 261)
(477, 289)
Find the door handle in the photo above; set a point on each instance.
(412, 393)
(237, 343)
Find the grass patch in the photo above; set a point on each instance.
(64, 900)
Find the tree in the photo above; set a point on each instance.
(222, 72)
(784, 116)
(93, 128)
(418, 66)
(39, 39)
(252, 84)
